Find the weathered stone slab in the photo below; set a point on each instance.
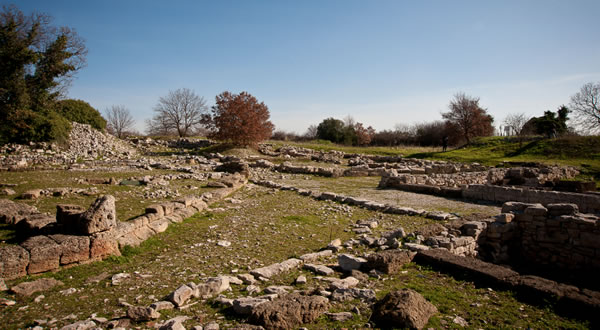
(44, 254)
(103, 244)
(277, 268)
(13, 261)
(29, 288)
(289, 311)
(389, 261)
(73, 248)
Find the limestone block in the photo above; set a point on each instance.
(104, 244)
(44, 254)
(101, 216)
(13, 261)
(73, 248)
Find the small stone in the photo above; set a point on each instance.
(212, 326)
(223, 243)
(339, 317)
(39, 298)
(162, 305)
(181, 295)
(301, 279)
(247, 278)
(460, 321)
(252, 289)
(7, 302)
(118, 278)
(139, 313)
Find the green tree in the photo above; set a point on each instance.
(37, 64)
(551, 123)
(81, 112)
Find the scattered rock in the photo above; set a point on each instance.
(289, 311)
(460, 321)
(349, 262)
(81, 325)
(404, 308)
(245, 305)
(118, 278)
(389, 261)
(366, 295)
(223, 243)
(181, 295)
(139, 313)
(319, 269)
(301, 279)
(162, 305)
(278, 289)
(29, 288)
(339, 317)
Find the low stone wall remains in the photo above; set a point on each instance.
(77, 235)
(554, 236)
(587, 203)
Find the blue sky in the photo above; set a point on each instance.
(382, 62)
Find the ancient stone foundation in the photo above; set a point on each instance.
(587, 203)
(556, 236)
(78, 236)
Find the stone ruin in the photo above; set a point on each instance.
(540, 229)
(77, 235)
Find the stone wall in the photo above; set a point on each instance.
(587, 203)
(555, 236)
(78, 236)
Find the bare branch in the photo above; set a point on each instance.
(119, 120)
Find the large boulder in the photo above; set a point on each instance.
(289, 311)
(13, 261)
(101, 216)
(402, 309)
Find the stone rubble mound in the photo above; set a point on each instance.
(84, 141)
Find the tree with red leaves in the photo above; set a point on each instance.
(363, 135)
(467, 118)
(239, 119)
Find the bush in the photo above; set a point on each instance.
(81, 112)
(39, 127)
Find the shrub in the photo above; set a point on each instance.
(81, 112)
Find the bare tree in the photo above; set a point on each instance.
(180, 111)
(119, 120)
(311, 132)
(516, 122)
(349, 121)
(585, 106)
(468, 117)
